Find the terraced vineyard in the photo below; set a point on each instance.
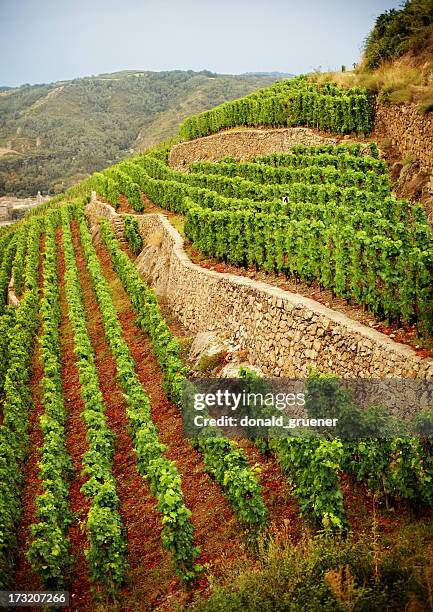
(100, 492)
(362, 244)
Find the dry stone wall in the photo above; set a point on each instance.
(243, 144)
(411, 132)
(284, 334)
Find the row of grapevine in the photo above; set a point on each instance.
(369, 180)
(113, 182)
(5, 270)
(132, 234)
(107, 553)
(4, 242)
(295, 102)
(350, 148)
(49, 549)
(17, 403)
(19, 259)
(106, 187)
(343, 162)
(223, 458)
(7, 322)
(165, 482)
(397, 467)
(390, 275)
(312, 464)
(313, 467)
(126, 186)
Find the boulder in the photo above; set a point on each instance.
(207, 352)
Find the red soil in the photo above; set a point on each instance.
(284, 513)
(76, 446)
(213, 518)
(366, 510)
(25, 578)
(125, 206)
(146, 557)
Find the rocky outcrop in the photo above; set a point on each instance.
(218, 356)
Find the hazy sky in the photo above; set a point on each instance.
(50, 40)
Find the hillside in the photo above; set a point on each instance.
(53, 135)
(269, 242)
(102, 493)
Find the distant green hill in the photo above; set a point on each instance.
(53, 135)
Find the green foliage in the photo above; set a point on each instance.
(294, 102)
(313, 466)
(106, 187)
(322, 574)
(398, 468)
(7, 322)
(107, 553)
(5, 238)
(19, 260)
(48, 553)
(6, 264)
(364, 173)
(223, 459)
(398, 31)
(362, 244)
(342, 160)
(126, 186)
(17, 402)
(165, 482)
(132, 234)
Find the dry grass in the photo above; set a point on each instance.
(5, 151)
(407, 79)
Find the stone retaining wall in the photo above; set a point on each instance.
(411, 132)
(284, 334)
(243, 144)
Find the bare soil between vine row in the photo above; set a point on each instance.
(152, 583)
